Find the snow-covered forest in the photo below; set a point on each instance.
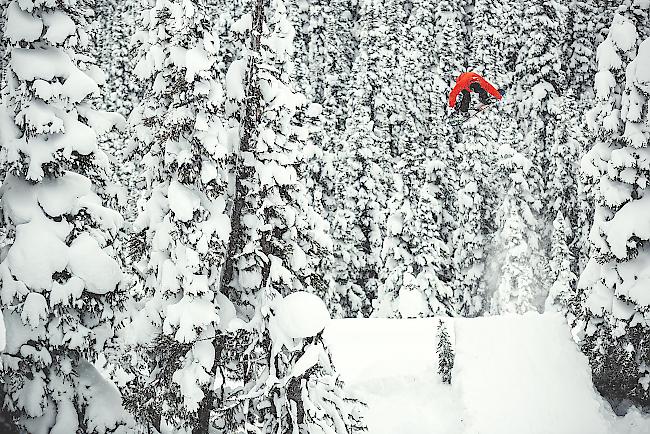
(192, 190)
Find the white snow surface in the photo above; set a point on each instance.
(513, 374)
(530, 366)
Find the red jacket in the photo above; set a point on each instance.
(464, 80)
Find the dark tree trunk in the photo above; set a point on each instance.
(208, 403)
(249, 120)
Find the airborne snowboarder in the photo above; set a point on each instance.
(472, 82)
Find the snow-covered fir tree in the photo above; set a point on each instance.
(388, 113)
(473, 205)
(614, 321)
(61, 284)
(450, 40)
(463, 161)
(182, 230)
(275, 244)
(445, 353)
(115, 26)
(416, 259)
(484, 41)
(581, 53)
(563, 190)
(297, 389)
(113, 29)
(519, 282)
(425, 157)
(540, 78)
(357, 225)
(561, 265)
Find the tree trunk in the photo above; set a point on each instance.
(248, 121)
(208, 402)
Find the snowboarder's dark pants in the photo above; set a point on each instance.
(482, 93)
(482, 96)
(464, 102)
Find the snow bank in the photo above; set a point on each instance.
(524, 374)
(512, 375)
(368, 349)
(411, 405)
(391, 365)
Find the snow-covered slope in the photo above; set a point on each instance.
(392, 366)
(512, 375)
(524, 374)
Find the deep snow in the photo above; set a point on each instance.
(513, 374)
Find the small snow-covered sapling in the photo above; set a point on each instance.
(445, 354)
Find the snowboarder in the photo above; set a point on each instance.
(471, 82)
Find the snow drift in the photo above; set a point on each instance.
(513, 374)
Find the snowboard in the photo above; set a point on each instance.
(457, 118)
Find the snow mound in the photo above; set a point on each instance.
(513, 374)
(368, 349)
(301, 315)
(524, 374)
(411, 303)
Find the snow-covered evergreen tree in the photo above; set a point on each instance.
(115, 27)
(520, 282)
(540, 78)
(473, 223)
(275, 244)
(182, 231)
(297, 389)
(445, 354)
(615, 280)
(336, 46)
(415, 272)
(358, 224)
(451, 40)
(323, 58)
(392, 132)
(484, 44)
(61, 284)
(561, 265)
(581, 52)
(563, 191)
(465, 160)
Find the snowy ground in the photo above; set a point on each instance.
(512, 375)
